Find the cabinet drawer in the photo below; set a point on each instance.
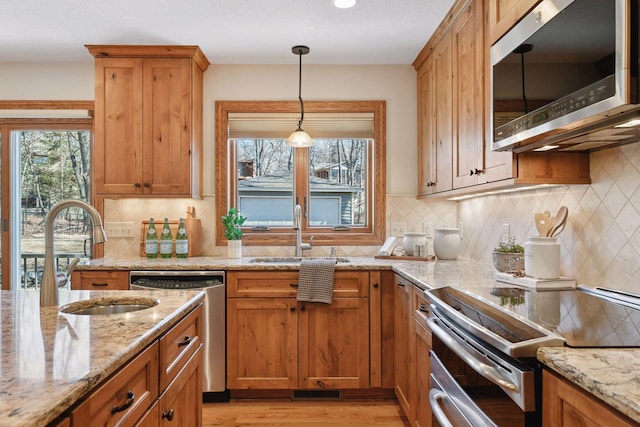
(285, 284)
(100, 280)
(125, 397)
(177, 346)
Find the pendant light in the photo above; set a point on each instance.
(299, 138)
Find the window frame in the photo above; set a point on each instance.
(225, 186)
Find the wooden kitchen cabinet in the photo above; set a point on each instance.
(99, 280)
(454, 146)
(567, 405)
(422, 336)
(405, 378)
(148, 120)
(161, 386)
(504, 14)
(276, 342)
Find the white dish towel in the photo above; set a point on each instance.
(315, 280)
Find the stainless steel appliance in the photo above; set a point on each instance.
(566, 75)
(483, 365)
(214, 319)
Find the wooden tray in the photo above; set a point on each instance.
(406, 258)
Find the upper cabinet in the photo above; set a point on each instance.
(148, 120)
(454, 146)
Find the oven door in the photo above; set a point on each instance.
(472, 384)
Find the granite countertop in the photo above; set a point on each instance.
(609, 374)
(214, 263)
(51, 359)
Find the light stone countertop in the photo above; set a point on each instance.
(50, 359)
(215, 263)
(613, 375)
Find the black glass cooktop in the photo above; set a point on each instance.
(583, 317)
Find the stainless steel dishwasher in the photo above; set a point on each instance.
(214, 319)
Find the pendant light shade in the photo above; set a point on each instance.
(299, 138)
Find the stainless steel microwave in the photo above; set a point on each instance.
(566, 77)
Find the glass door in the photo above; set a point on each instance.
(46, 164)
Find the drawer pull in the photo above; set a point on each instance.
(187, 341)
(423, 308)
(293, 285)
(321, 384)
(401, 284)
(100, 284)
(168, 414)
(130, 398)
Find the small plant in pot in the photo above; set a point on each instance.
(508, 256)
(233, 222)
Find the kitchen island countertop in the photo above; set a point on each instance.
(51, 360)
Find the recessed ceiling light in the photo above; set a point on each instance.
(344, 4)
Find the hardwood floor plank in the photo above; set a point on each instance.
(304, 413)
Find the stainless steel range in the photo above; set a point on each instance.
(483, 365)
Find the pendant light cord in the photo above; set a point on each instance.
(300, 92)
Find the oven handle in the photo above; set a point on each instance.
(434, 396)
(487, 371)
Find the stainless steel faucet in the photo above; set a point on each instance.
(297, 225)
(49, 285)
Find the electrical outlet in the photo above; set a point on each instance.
(120, 229)
(398, 229)
(506, 233)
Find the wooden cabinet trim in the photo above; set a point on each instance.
(178, 345)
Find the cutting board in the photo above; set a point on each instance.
(193, 227)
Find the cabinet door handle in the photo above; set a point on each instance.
(168, 414)
(147, 185)
(187, 341)
(100, 284)
(130, 398)
(303, 308)
(375, 285)
(137, 185)
(293, 309)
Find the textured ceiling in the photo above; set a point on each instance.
(228, 31)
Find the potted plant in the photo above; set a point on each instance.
(508, 256)
(233, 222)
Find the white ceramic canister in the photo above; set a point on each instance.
(446, 243)
(542, 257)
(411, 239)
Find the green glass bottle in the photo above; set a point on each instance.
(182, 241)
(151, 244)
(166, 240)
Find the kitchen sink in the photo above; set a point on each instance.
(292, 259)
(109, 305)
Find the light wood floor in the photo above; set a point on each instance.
(303, 413)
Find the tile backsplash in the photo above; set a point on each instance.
(406, 211)
(600, 244)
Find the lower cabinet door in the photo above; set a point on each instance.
(181, 403)
(333, 344)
